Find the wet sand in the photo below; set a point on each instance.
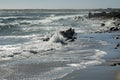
(101, 72)
(104, 71)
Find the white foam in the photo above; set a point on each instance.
(94, 59)
(25, 36)
(56, 73)
(109, 23)
(49, 19)
(74, 65)
(57, 37)
(8, 17)
(99, 53)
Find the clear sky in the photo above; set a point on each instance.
(58, 4)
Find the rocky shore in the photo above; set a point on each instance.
(105, 15)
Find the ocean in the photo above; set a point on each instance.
(25, 56)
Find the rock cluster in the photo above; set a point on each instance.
(68, 34)
(104, 15)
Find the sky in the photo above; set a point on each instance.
(58, 4)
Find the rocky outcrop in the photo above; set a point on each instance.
(69, 34)
(104, 15)
(62, 36)
(114, 29)
(78, 18)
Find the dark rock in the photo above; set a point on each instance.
(117, 37)
(34, 52)
(89, 15)
(118, 63)
(115, 64)
(79, 18)
(114, 29)
(104, 15)
(46, 39)
(118, 45)
(11, 55)
(102, 24)
(68, 34)
(50, 49)
(17, 53)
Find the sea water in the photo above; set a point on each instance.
(22, 34)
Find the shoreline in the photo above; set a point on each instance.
(50, 61)
(99, 72)
(108, 70)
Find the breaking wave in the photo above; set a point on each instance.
(36, 40)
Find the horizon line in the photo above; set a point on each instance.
(53, 8)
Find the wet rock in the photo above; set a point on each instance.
(79, 18)
(114, 29)
(34, 52)
(17, 53)
(46, 39)
(117, 37)
(118, 45)
(68, 34)
(89, 15)
(11, 55)
(115, 64)
(102, 24)
(105, 15)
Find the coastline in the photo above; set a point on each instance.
(93, 56)
(95, 73)
(108, 70)
(104, 71)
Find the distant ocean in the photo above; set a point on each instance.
(21, 36)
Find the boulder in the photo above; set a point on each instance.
(17, 53)
(118, 45)
(34, 52)
(115, 64)
(102, 24)
(11, 55)
(46, 39)
(114, 29)
(62, 36)
(69, 34)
